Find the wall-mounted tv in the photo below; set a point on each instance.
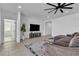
(34, 27)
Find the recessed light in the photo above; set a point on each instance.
(19, 6)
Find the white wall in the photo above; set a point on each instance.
(65, 25)
(0, 26)
(8, 14)
(31, 20)
(0, 31)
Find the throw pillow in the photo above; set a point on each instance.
(75, 34)
(74, 42)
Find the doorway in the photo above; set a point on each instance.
(9, 30)
(48, 28)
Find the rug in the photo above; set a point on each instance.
(37, 48)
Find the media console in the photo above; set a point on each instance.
(33, 35)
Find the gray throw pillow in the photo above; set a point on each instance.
(74, 42)
(63, 41)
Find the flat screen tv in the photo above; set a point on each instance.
(34, 27)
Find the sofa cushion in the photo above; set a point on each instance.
(63, 41)
(74, 42)
(75, 34)
(69, 35)
(58, 37)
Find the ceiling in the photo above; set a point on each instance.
(37, 10)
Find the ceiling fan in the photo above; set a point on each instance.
(60, 6)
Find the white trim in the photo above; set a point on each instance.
(18, 27)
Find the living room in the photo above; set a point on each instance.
(37, 24)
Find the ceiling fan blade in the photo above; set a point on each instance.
(55, 11)
(59, 4)
(61, 10)
(51, 4)
(51, 11)
(67, 8)
(63, 4)
(68, 4)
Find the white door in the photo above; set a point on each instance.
(9, 30)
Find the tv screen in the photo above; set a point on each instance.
(34, 27)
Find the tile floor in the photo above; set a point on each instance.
(19, 49)
(14, 49)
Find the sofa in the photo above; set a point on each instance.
(62, 45)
